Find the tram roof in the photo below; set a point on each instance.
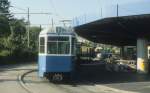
(57, 31)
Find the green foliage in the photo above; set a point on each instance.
(18, 35)
(13, 37)
(34, 38)
(4, 6)
(17, 38)
(4, 53)
(4, 27)
(4, 23)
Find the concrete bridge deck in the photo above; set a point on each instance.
(121, 29)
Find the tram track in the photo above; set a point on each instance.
(23, 85)
(24, 79)
(71, 87)
(64, 88)
(22, 82)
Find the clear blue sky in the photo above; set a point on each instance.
(66, 9)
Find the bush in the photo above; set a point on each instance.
(4, 53)
(18, 56)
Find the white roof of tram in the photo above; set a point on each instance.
(57, 30)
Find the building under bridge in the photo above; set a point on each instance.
(120, 30)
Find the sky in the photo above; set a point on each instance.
(64, 9)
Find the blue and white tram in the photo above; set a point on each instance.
(56, 53)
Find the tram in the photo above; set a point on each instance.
(57, 52)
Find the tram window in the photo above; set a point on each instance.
(58, 45)
(63, 39)
(52, 39)
(42, 45)
(63, 47)
(52, 48)
(58, 38)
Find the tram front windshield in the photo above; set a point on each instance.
(58, 45)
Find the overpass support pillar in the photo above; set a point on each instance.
(142, 57)
(122, 52)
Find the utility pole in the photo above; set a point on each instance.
(101, 8)
(52, 23)
(117, 10)
(101, 12)
(40, 27)
(28, 27)
(65, 22)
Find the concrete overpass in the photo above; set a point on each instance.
(120, 31)
(124, 30)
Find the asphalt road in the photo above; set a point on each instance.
(89, 79)
(9, 78)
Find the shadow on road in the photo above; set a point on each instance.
(97, 74)
(14, 67)
(8, 80)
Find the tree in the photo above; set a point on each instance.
(17, 39)
(4, 22)
(13, 34)
(4, 8)
(4, 18)
(34, 34)
(4, 27)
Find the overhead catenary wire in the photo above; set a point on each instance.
(55, 10)
(129, 10)
(28, 21)
(16, 7)
(53, 6)
(27, 13)
(100, 7)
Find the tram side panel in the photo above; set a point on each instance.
(41, 65)
(55, 64)
(58, 64)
